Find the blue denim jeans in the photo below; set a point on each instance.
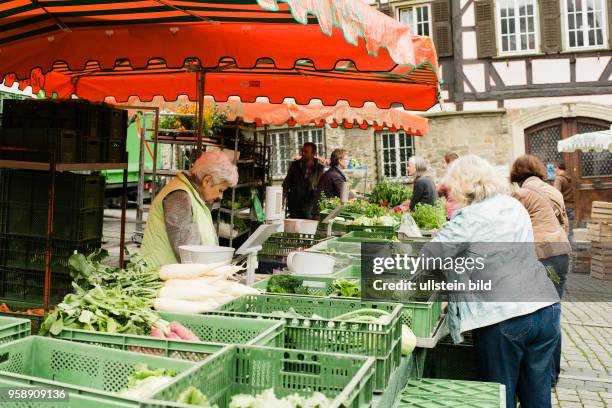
(517, 353)
(561, 265)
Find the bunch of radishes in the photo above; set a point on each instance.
(198, 288)
(176, 332)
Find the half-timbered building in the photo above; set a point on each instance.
(518, 76)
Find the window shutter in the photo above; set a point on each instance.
(550, 26)
(442, 30)
(386, 9)
(485, 28)
(609, 24)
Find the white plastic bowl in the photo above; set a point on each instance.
(310, 263)
(205, 254)
(301, 226)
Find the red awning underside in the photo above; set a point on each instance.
(290, 114)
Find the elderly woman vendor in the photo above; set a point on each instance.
(179, 215)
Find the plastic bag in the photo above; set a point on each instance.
(409, 228)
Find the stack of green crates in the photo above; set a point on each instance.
(78, 222)
(346, 380)
(79, 131)
(327, 334)
(214, 333)
(447, 393)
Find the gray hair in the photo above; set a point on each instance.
(420, 164)
(471, 178)
(216, 164)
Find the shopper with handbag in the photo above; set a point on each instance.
(550, 225)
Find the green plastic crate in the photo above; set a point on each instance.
(27, 287)
(453, 361)
(40, 139)
(338, 227)
(316, 285)
(327, 334)
(366, 236)
(447, 393)
(76, 367)
(347, 380)
(24, 252)
(390, 229)
(72, 190)
(79, 397)
(215, 332)
(12, 329)
(30, 219)
(280, 244)
(421, 317)
(35, 320)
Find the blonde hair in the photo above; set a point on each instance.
(471, 178)
(216, 164)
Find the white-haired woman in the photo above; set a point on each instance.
(515, 323)
(179, 215)
(424, 188)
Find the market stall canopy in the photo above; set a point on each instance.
(263, 113)
(593, 141)
(414, 88)
(39, 34)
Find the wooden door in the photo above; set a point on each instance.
(592, 171)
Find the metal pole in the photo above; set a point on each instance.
(50, 214)
(266, 168)
(155, 147)
(123, 217)
(237, 133)
(200, 86)
(141, 175)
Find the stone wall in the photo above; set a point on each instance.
(481, 133)
(360, 145)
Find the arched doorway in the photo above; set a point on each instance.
(592, 172)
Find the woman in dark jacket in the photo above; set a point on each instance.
(332, 181)
(424, 188)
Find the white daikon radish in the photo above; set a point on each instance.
(198, 293)
(225, 270)
(207, 280)
(237, 289)
(183, 306)
(187, 271)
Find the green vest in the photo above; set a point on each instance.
(156, 248)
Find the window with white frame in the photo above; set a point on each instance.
(585, 24)
(312, 135)
(395, 150)
(418, 18)
(517, 26)
(286, 144)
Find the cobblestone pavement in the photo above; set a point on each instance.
(586, 360)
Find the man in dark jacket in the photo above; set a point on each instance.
(300, 185)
